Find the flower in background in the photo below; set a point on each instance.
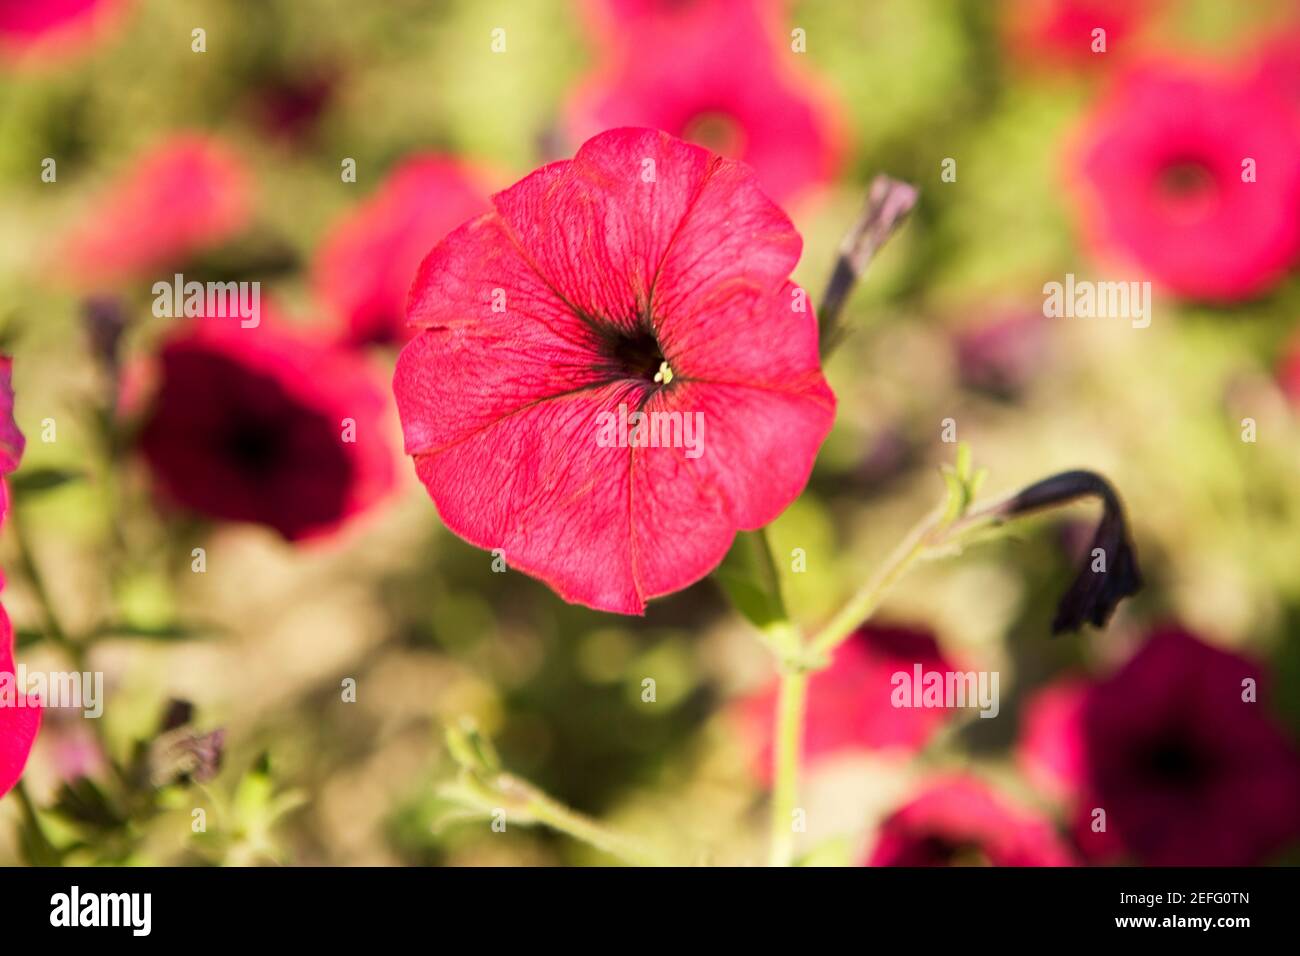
(1061, 31)
(1195, 178)
(365, 266)
(960, 821)
(644, 276)
(1289, 372)
(1276, 66)
(182, 196)
(268, 426)
(719, 76)
(43, 28)
(1002, 353)
(849, 702)
(20, 716)
(1188, 772)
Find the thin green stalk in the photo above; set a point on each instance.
(551, 813)
(865, 602)
(54, 628)
(484, 789)
(787, 756)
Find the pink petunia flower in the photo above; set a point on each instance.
(180, 197)
(45, 29)
(1187, 771)
(1195, 178)
(958, 821)
(644, 276)
(20, 716)
(1061, 32)
(1051, 752)
(365, 266)
(266, 425)
(850, 703)
(718, 77)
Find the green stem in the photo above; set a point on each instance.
(54, 628)
(551, 813)
(865, 602)
(787, 755)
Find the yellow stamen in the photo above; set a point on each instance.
(665, 374)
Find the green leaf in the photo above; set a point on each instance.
(33, 844)
(82, 801)
(39, 480)
(749, 577)
(177, 631)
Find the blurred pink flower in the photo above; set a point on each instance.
(1051, 749)
(365, 265)
(267, 425)
(1188, 772)
(1275, 65)
(1194, 177)
(41, 29)
(1060, 32)
(1289, 372)
(644, 276)
(720, 75)
(1002, 353)
(960, 821)
(179, 197)
(20, 716)
(849, 703)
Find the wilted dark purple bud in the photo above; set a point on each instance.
(177, 713)
(1001, 356)
(105, 320)
(185, 754)
(1109, 572)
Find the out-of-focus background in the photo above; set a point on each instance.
(1037, 156)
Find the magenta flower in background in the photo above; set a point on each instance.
(1056, 32)
(1002, 353)
(958, 821)
(645, 275)
(44, 28)
(849, 703)
(1289, 372)
(1162, 164)
(720, 76)
(252, 424)
(1275, 65)
(177, 198)
(20, 716)
(1188, 772)
(365, 265)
